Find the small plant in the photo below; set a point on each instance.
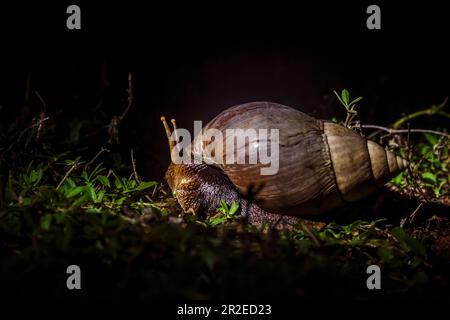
(430, 161)
(225, 213)
(350, 106)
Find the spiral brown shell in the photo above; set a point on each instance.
(322, 165)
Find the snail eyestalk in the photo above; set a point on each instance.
(174, 124)
(168, 133)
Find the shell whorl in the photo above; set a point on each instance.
(360, 166)
(385, 164)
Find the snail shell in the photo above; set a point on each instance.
(322, 165)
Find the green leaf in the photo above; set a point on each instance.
(223, 207)
(97, 170)
(35, 176)
(131, 184)
(356, 100)
(46, 221)
(385, 254)
(84, 175)
(75, 127)
(399, 234)
(103, 180)
(223, 204)
(429, 176)
(398, 180)
(59, 216)
(70, 183)
(120, 201)
(339, 97)
(142, 186)
(100, 196)
(81, 200)
(75, 191)
(345, 96)
(441, 184)
(118, 182)
(74, 162)
(26, 179)
(409, 243)
(217, 220)
(92, 193)
(145, 185)
(431, 138)
(234, 207)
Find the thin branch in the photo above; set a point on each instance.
(93, 133)
(393, 131)
(12, 193)
(413, 215)
(429, 111)
(130, 96)
(112, 127)
(95, 157)
(310, 234)
(133, 164)
(44, 105)
(408, 144)
(67, 175)
(38, 123)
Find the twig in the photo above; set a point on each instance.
(416, 186)
(408, 145)
(154, 191)
(113, 130)
(393, 131)
(310, 234)
(130, 96)
(133, 164)
(138, 179)
(42, 115)
(44, 105)
(429, 111)
(67, 175)
(10, 185)
(23, 132)
(88, 135)
(413, 215)
(408, 154)
(95, 157)
(112, 127)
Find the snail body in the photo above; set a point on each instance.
(322, 165)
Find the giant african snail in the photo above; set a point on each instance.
(322, 165)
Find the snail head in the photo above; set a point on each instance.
(182, 178)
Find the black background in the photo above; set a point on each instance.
(191, 61)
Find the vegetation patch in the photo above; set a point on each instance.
(62, 204)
